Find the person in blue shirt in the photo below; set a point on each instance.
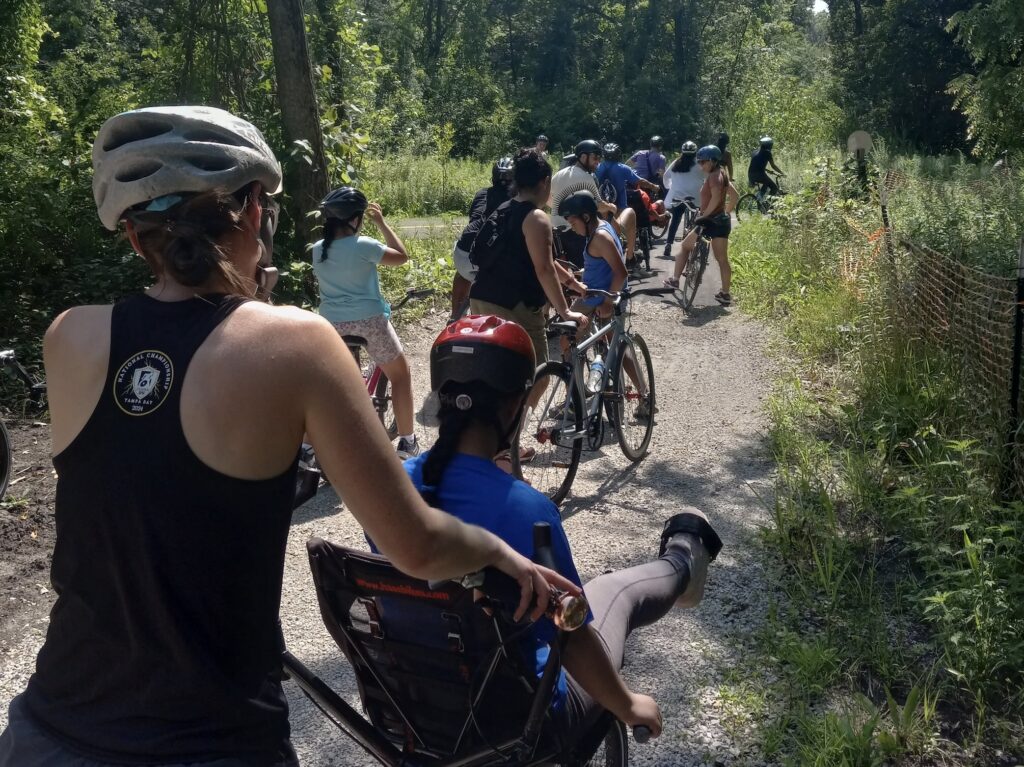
(345, 265)
(482, 369)
(613, 178)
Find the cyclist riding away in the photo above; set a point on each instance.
(484, 203)
(482, 396)
(519, 283)
(757, 171)
(650, 163)
(177, 416)
(713, 218)
(683, 181)
(577, 177)
(345, 265)
(613, 178)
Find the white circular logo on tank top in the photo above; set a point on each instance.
(143, 382)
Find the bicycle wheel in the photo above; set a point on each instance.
(694, 272)
(382, 404)
(5, 459)
(614, 749)
(634, 412)
(553, 430)
(747, 206)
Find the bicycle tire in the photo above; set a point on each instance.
(694, 272)
(614, 749)
(634, 442)
(6, 459)
(747, 206)
(552, 469)
(383, 405)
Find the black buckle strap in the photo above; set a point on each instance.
(688, 522)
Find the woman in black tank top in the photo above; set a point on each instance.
(177, 416)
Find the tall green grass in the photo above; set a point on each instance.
(903, 571)
(423, 185)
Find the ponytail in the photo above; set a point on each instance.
(332, 230)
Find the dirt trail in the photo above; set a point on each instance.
(708, 451)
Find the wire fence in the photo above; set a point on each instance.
(968, 314)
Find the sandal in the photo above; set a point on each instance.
(671, 282)
(725, 299)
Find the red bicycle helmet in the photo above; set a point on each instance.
(484, 349)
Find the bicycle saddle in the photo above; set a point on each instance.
(565, 326)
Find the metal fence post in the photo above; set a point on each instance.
(1018, 337)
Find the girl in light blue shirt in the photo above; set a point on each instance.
(345, 265)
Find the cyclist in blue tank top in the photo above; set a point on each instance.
(604, 263)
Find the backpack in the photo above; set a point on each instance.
(491, 241)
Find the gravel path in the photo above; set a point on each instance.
(708, 451)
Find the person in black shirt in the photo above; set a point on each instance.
(757, 171)
(518, 285)
(484, 203)
(176, 420)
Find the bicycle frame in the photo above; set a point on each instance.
(578, 374)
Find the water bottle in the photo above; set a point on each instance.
(596, 374)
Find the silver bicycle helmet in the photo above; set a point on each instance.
(149, 153)
(689, 148)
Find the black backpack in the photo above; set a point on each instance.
(491, 241)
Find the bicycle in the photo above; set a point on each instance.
(36, 393)
(757, 202)
(573, 411)
(693, 272)
(378, 387)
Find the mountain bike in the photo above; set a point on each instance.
(574, 412)
(693, 272)
(36, 395)
(759, 201)
(378, 387)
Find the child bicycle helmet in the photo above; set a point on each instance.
(482, 349)
(344, 203)
(145, 154)
(578, 203)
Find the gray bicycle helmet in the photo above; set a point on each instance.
(588, 146)
(612, 151)
(344, 203)
(542, 137)
(146, 154)
(656, 142)
(767, 142)
(709, 152)
(501, 171)
(578, 203)
(689, 148)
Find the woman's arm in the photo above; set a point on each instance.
(585, 658)
(395, 253)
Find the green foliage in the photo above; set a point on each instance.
(418, 185)
(886, 512)
(992, 32)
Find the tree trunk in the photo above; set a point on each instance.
(307, 181)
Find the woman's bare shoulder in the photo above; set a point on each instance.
(79, 326)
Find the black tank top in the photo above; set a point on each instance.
(163, 645)
(512, 279)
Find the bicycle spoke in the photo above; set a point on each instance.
(635, 398)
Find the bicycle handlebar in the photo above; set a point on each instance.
(502, 591)
(641, 733)
(413, 294)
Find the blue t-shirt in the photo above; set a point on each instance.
(479, 493)
(597, 273)
(612, 178)
(349, 288)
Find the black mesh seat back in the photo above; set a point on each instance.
(419, 654)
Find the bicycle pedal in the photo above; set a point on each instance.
(614, 396)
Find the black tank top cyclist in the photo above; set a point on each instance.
(513, 278)
(163, 644)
